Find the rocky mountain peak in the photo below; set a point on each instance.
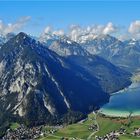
(21, 40)
(22, 37)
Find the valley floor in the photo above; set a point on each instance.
(98, 126)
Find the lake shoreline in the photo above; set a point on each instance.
(109, 111)
(119, 114)
(133, 85)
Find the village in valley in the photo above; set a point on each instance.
(96, 127)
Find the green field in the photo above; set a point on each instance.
(50, 138)
(78, 130)
(106, 125)
(14, 125)
(128, 137)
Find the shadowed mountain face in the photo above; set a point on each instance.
(110, 77)
(38, 86)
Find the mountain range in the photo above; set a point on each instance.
(54, 80)
(124, 54)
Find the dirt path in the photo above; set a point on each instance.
(95, 121)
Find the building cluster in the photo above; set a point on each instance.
(113, 135)
(93, 127)
(136, 132)
(51, 131)
(23, 133)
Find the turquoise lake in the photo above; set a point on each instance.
(124, 102)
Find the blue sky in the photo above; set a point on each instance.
(61, 14)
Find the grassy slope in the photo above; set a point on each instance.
(50, 138)
(14, 126)
(106, 125)
(78, 130)
(129, 137)
(75, 130)
(134, 124)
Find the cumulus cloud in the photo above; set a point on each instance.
(134, 29)
(49, 30)
(75, 31)
(12, 27)
(78, 33)
(81, 33)
(109, 28)
(59, 32)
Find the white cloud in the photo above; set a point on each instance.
(79, 34)
(58, 33)
(134, 29)
(109, 28)
(1, 25)
(75, 31)
(12, 27)
(47, 30)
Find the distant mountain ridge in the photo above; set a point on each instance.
(124, 54)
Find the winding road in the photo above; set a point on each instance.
(95, 121)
